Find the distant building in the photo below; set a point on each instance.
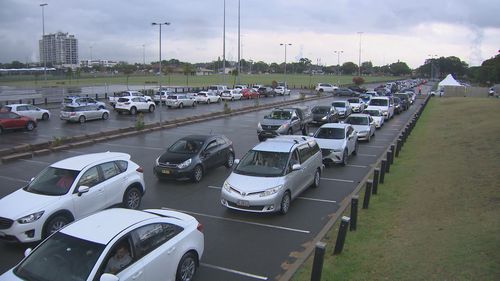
(59, 49)
(200, 71)
(104, 63)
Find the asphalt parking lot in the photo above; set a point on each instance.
(238, 246)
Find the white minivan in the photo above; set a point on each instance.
(385, 104)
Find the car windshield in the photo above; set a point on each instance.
(186, 146)
(262, 163)
(353, 100)
(355, 120)
(372, 112)
(378, 102)
(280, 115)
(320, 110)
(330, 133)
(60, 258)
(52, 181)
(338, 104)
(68, 100)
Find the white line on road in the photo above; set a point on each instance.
(366, 155)
(13, 179)
(374, 146)
(234, 271)
(35, 161)
(135, 146)
(241, 221)
(356, 166)
(330, 179)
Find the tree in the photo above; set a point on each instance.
(127, 69)
(349, 68)
(367, 67)
(399, 68)
(489, 72)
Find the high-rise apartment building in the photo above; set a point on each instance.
(59, 49)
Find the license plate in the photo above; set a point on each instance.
(243, 203)
(165, 171)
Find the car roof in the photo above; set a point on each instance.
(200, 137)
(282, 143)
(359, 115)
(79, 162)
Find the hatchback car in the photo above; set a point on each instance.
(343, 108)
(14, 121)
(82, 113)
(357, 104)
(180, 101)
(117, 244)
(190, 157)
(272, 174)
(161, 96)
(133, 105)
(207, 97)
(231, 95)
(69, 190)
(324, 114)
(363, 124)
(28, 110)
(249, 93)
(377, 116)
(337, 141)
(77, 100)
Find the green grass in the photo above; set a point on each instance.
(294, 80)
(437, 217)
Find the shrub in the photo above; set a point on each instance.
(227, 108)
(139, 122)
(358, 80)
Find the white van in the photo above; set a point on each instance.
(385, 104)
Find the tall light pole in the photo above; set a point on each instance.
(432, 65)
(239, 43)
(161, 96)
(44, 51)
(224, 45)
(144, 55)
(285, 44)
(338, 60)
(359, 57)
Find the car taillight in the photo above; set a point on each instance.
(126, 103)
(140, 170)
(72, 113)
(200, 227)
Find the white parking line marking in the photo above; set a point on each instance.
(393, 129)
(13, 179)
(214, 187)
(134, 146)
(385, 134)
(242, 221)
(35, 161)
(367, 155)
(330, 179)
(234, 271)
(374, 146)
(317, 200)
(356, 166)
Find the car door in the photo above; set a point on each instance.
(14, 121)
(210, 155)
(33, 112)
(295, 122)
(113, 183)
(94, 199)
(351, 139)
(93, 112)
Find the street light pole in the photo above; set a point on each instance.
(239, 43)
(144, 55)
(338, 60)
(285, 44)
(432, 66)
(44, 52)
(161, 96)
(359, 57)
(224, 45)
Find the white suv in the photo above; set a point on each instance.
(273, 173)
(134, 104)
(327, 88)
(69, 190)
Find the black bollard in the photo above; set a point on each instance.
(319, 254)
(398, 147)
(383, 163)
(388, 163)
(368, 192)
(354, 212)
(339, 244)
(376, 175)
(393, 149)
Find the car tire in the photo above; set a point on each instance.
(45, 116)
(285, 203)
(133, 110)
(132, 198)
(356, 147)
(54, 224)
(345, 157)
(194, 104)
(151, 108)
(230, 161)
(208, 101)
(317, 178)
(218, 100)
(261, 138)
(369, 137)
(30, 126)
(197, 173)
(105, 116)
(290, 132)
(187, 267)
(304, 130)
(82, 119)
(181, 105)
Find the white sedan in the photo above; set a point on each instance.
(363, 124)
(337, 142)
(117, 244)
(231, 95)
(28, 110)
(68, 190)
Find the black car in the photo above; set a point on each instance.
(324, 114)
(344, 92)
(266, 91)
(405, 100)
(190, 157)
(398, 105)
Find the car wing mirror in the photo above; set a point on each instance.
(311, 134)
(32, 179)
(296, 167)
(83, 189)
(109, 277)
(27, 252)
(236, 162)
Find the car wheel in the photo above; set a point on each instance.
(181, 105)
(187, 267)
(317, 177)
(208, 101)
(356, 146)
(344, 158)
(304, 130)
(45, 116)
(81, 119)
(132, 198)
(194, 104)
(261, 138)
(54, 224)
(151, 108)
(30, 126)
(218, 100)
(133, 110)
(369, 137)
(105, 116)
(290, 132)
(230, 160)
(285, 203)
(197, 173)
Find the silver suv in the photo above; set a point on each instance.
(273, 173)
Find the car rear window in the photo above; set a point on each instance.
(123, 100)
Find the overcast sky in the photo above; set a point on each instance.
(392, 30)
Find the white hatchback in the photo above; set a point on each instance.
(117, 244)
(337, 142)
(134, 104)
(69, 190)
(28, 110)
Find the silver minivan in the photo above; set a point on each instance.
(272, 174)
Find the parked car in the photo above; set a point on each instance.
(206, 97)
(163, 95)
(68, 190)
(83, 113)
(385, 104)
(398, 105)
(344, 92)
(272, 174)
(322, 114)
(266, 91)
(249, 94)
(217, 89)
(192, 156)
(180, 101)
(280, 90)
(14, 121)
(338, 141)
(127, 94)
(117, 244)
(363, 124)
(325, 87)
(357, 89)
(239, 88)
(231, 95)
(365, 98)
(133, 105)
(357, 104)
(405, 100)
(27, 110)
(77, 100)
(284, 121)
(377, 116)
(343, 108)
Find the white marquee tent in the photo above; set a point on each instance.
(449, 81)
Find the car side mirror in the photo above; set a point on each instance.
(27, 252)
(341, 122)
(296, 167)
(83, 189)
(32, 179)
(295, 118)
(236, 162)
(109, 277)
(311, 134)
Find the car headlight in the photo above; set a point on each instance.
(184, 164)
(259, 127)
(270, 191)
(227, 187)
(30, 218)
(284, 126)
(324, 118)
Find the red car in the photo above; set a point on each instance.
(11, 121)
(249, 94)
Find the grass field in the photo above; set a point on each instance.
(294, 80)
(437, 217)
